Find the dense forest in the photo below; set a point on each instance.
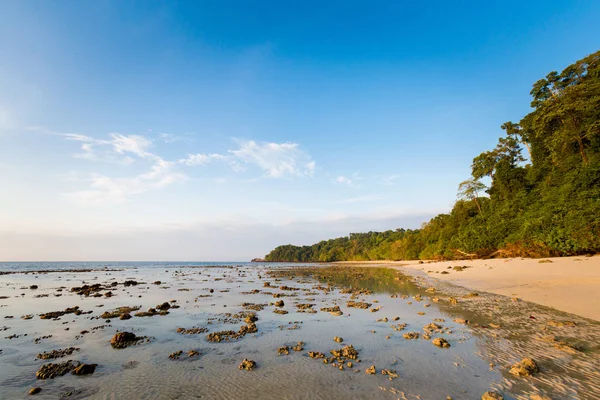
(543, 197)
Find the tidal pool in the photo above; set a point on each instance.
(486, 334)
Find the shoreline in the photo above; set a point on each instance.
(570, 284)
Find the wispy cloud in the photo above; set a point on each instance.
(390, 180)
(348, 181)
(103, 189)
(172, 138)
(193, 160)
(125, 149)
(343, 180)
(275, 159)
(359, 199)
(115, 149)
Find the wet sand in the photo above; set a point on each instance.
(484, 335)
(570, 284)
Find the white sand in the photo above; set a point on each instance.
(570, 284)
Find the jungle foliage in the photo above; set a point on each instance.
(544, 192)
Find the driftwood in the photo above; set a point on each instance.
(465, 254)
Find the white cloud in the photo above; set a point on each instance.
(343, 180)
(390, 180)
(193, 160)
(359, 199)
(104, 189)
(275, 159)
(172, 138)
(134, 144)
(348, 181)
(120, 148)
(112, 150)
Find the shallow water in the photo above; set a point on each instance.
(145, 371)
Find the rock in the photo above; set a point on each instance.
(191, 331)
(279, 303)
(55, 314)
(35, 390)
(345, 352)
(125, 316)
(358, 304)
(57, 353)
(298, 347)
(123, 339)
(118, 312)
(492, 396)
(251, 318)
(391, 373)
(432, 327)
(441, 342)
(283, 351)
(164, 306)
(84, 369)
(371, 370)
(175, 355)
(525, 367)
(247, 365)
(193, 353)
(398, 327)
(338, 339)
(51, 371)
(32, 287)
(411, 335)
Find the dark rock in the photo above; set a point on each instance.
(247, 365)
(84, 369)
(525, 367)
(123, 339)
(51, 371)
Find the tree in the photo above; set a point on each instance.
(470, 189)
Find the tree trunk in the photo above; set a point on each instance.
(528, 150)
(477, 203)
(582, 150)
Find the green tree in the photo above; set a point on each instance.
(469, 190)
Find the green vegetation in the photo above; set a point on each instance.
(542, 203)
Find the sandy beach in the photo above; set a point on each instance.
(569, 284)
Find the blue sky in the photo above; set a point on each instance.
(217, 130)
